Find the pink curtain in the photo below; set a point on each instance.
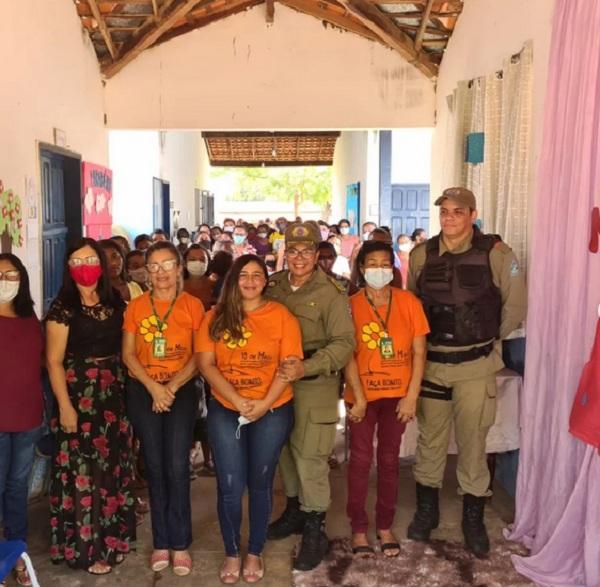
(558, 492)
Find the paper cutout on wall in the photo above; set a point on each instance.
(11, 220)
(475, 147)
(97, 200)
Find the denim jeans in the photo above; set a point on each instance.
(248, 461)
(166, 440)
(17, 451)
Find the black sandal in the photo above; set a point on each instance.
(388, 546)
(363, 551)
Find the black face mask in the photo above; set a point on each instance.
(282, 228)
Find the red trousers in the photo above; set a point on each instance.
(381, 414)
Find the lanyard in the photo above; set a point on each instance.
(382, 323)
(161, 321)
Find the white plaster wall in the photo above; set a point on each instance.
(240, 73)
(135, 160)
(356, 159)
(49, 78)
(411, 155)
(486, 33)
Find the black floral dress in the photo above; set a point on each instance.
(91, 501)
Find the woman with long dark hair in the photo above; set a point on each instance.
(383, 383)
(92, 514)
(115, 261)
(162, 400)
(239, 348)
(21, 398)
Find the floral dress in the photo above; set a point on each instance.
(91, 501)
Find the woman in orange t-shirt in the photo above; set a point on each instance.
(250, 416)
(384, 380)
(162, 401)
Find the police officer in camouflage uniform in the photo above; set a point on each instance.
(321, 306)
(473, 293)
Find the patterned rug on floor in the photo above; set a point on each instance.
(437, 564)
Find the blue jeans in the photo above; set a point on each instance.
(166, 440)
(17, 451)
(249, 461)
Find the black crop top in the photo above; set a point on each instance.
(94, 331)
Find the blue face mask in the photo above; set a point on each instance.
(239, 239)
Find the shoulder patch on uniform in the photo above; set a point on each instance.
(502, 247)
(514, 268)
(272, 283)
(340, 287)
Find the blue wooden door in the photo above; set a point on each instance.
(161, 191)
(353, 206)
(406, 208)
(54, 229)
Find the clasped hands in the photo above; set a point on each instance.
(252, 409)
(163, 396)
(291, 369)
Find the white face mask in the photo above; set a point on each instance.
(366, 236)
(184, 240)
(8, 290)
(139, 275)
(197, 268)
(324, 234)
(344, 230)
(405, 247)
(261, 234)
(228, 228)
(378, 277)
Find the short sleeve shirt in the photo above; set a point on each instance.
(270, 334)
(386, 377)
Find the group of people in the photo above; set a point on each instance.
(131, 333)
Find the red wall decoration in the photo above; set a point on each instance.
(97, 200)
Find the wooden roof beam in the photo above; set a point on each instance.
(423, 25)
(103, 28)
(371, 17)
(270, 11)
(163, 23)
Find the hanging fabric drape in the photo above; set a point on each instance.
(558, 487)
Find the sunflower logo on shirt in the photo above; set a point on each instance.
(232, 344)
(372, 334)
(150, 330)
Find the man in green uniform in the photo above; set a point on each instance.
(473, 293)
(321, 306)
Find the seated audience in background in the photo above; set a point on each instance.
(277, 237)
(348, 241)
(123, 242)
(219, 267)
(162, 401)
(418, 236)
(228, 225)
(215, 233)
(21, 398)
(159, 235)
(329, 261)
(91, 503)
(404, 246)
(251, 414)
(117, 274)
(142, 242)
(183, 240)
(261, 242)
(383, 383)
(334, 230)
(203, 237)
(367, 229)
(196, 280)
(135, 265)
(241, 246)
(323, 229)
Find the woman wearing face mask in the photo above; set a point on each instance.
(183, 240)
(404, 247)
(383, 384)
(135, 264)
(116, 271)
(91, 504)
(21, 397)
(238, 349)
(347, 241)
(261, 242)
(196, 281)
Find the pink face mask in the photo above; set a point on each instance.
(86, 275)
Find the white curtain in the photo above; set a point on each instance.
(499, 105)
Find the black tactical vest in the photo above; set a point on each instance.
(462, 303)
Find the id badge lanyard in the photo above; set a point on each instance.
(159, 344)
(386, 344)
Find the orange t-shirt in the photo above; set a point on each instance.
(184, 320)
(382, 377)
(271, 333)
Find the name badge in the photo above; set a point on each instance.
(159, 348)
(386, 347)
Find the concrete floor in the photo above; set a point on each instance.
(207, 549)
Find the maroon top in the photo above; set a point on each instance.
(21, 396)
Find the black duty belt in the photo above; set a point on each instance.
(455, 357)
(435, 391)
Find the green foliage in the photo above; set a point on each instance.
(284, 184)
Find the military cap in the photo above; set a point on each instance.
(302, 232)
(461, 195)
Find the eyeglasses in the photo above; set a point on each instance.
(12, 275)
(304, 253)
(77, 262)
(251, 277)
(168, 265)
